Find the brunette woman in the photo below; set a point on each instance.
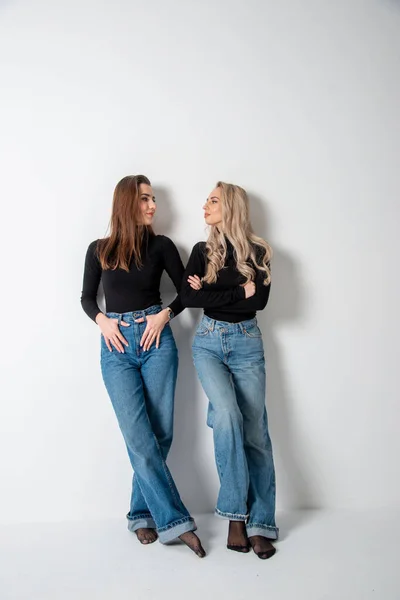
(139, 359)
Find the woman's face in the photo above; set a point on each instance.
(147, 203)
(212, 208)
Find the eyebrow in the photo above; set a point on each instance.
(214, 198)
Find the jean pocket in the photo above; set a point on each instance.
(252, 331)
(202, 330)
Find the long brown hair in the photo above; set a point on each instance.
(126, 231)
(236, 226)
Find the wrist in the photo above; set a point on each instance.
(169, 313)
(100, 317)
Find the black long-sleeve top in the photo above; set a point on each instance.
(224, 300)
(140, 287)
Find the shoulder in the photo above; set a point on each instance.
(93, 247)
(164, 243)
(199, 248)
(197, 258)
(163, 240)
(92, 260)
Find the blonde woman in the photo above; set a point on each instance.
(229, 277)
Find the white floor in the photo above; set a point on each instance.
(321, 556)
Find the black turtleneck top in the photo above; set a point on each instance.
(140, 287)
(225, 299)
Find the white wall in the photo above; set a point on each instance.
(296, 101)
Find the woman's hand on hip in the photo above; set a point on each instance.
(154, 327)
(111, 333)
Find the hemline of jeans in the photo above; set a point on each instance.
(144, 520)
(267, 531)
(174, 530)
(165, 534)
(231, 516)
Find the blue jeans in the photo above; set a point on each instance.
(141, 386)
(229, 359)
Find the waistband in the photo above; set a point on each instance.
(212, 324)
(135, 314)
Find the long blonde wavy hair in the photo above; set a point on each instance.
(248, 248)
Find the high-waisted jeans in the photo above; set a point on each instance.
(229, 359)
(141, 386)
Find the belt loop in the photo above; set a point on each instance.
(119, 320)
(241, 327)
(212, 324)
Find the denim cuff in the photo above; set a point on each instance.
(267, 531)
(231, 516)
(138, 521)
(174, 530)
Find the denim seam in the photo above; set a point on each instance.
(250, 336)
(217, 460)
(140, 516)
(175, 524)
(168, 477)
(261, 526)
(202, 333)
(233, 515)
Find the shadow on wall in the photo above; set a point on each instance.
(286, 305)
(186, 459)
(392, 4)
(166, 213)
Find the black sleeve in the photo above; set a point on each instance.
(260, 298)
(91, 281)
(174, 267)
(206, 298)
